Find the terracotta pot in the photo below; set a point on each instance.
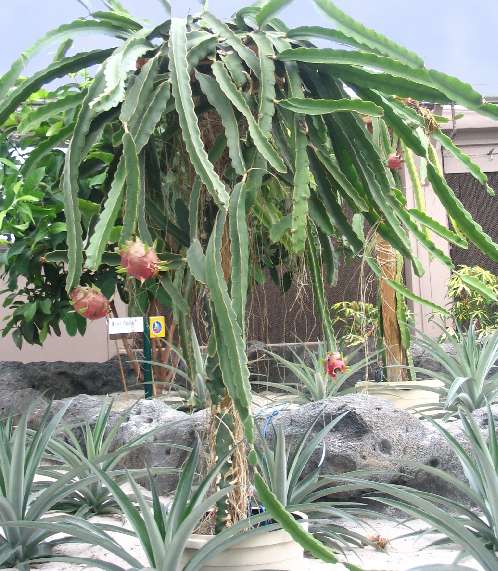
(272, 550)
(403, 395)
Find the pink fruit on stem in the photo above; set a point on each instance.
(395, 161)
(139, 260)
(334, 363)
(90, 302)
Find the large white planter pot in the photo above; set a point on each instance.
(272, 550)
(404, 395)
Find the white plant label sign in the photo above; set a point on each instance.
(119, 325)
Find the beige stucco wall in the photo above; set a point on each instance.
(93, 347)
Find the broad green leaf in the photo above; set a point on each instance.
(132, 187)
(474, 169)
(224, 108)
(268, 10)
(54, 71)
(185, 107)
(369, 37)
(261, 142)
(309, 106)
(402, 290)
(46, 147)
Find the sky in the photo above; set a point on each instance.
(459, 37)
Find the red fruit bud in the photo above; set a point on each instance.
(90, 302)
(334, 363)
(394, 162)
(139, 260)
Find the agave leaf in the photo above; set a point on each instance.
(184, 103)
(369, 37)
(309, 106)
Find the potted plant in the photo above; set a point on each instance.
(200, 142)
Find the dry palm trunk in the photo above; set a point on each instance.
(395, 353)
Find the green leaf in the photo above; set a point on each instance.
(197, 261)
(269, 9)
(290, 525)
(182, 92)
(475, 169)
(309, 106)
(49, 110)
(132, 187)
(116, 69)
(232, 39)
(54, 71)
(29, 311)
(387, 84)
(266, 55)
(224, 108)
(150, 113)
(60, 34)
(438, 228)
(478, 286)
(139, 92)
(239, 247)
(306, 32)
(471, 229)
(230, 344)
(453, 88)
(301, 192)
(70, 184)
(369, 37)
(179, 302)
(402, 290)
(261, 142)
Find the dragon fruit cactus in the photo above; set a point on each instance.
(395, 161)
(334, 363)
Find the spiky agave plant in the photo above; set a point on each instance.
(202, 120)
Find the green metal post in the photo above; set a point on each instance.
(148, 392)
